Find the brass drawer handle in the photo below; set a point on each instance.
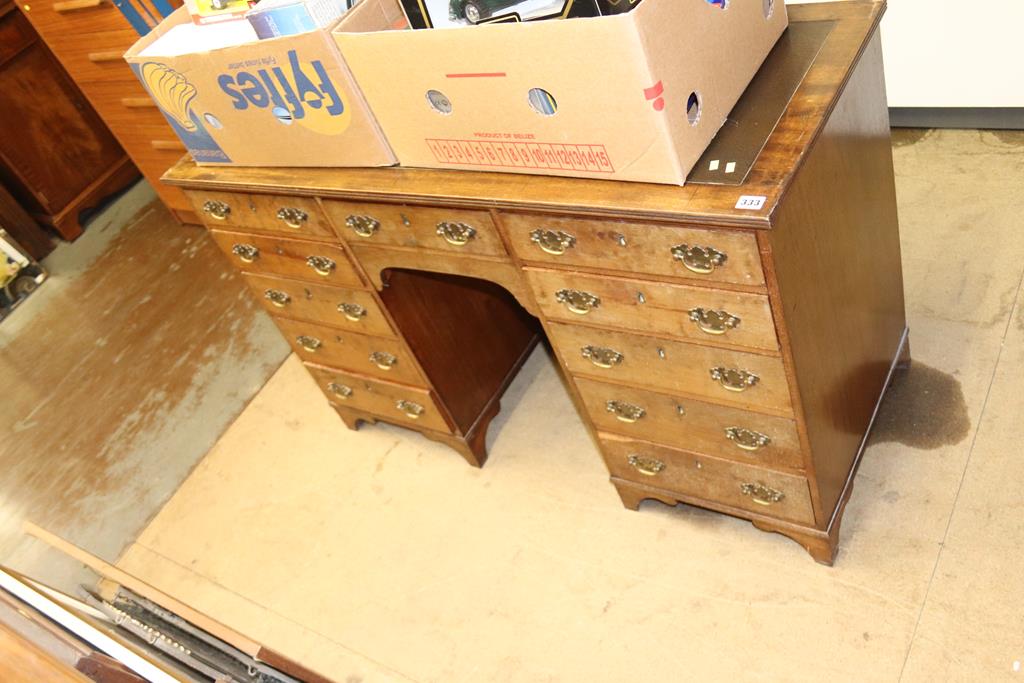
(292, 217)
(645, 466)
(747, 439)
(625, 412)
(409, 409)
(458, 234)
(103, 57)
(216, 210)
(353, 312)
(384, 361)
(576, 301)
(701, 260)
(277, 297)
(602, 357)
(321, 265)
(713, 322)
(246, 253)
(311, 344)
(553, 242)
(761, 494)
(734, 379)
(364, 226)
(340, 390)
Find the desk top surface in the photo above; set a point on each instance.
(852, 25)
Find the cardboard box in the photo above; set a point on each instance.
(287, 101)
(635, 96)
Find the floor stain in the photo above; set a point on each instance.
(903, 137)
(924, 408)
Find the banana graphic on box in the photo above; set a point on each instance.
(172, 92)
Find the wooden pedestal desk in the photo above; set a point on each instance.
(730, 358)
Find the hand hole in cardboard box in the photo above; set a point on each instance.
(769, 8)
(542, 102)
(693, 108)
(439, 102)
(282, 115)
(721, 4)
(213, 121)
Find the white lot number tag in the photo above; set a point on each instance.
(750, 202)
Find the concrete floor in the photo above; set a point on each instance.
(119, 374)
(380, 556)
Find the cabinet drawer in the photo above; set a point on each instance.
(690, 253)
(743, 379)
(96, 56)
(312, 261)
(424, 227)
(295, 216)
(54, 20)
(394, 402)
(376, 356)
(351, 309)
(785, 496)
(699, 313)
(730, 433)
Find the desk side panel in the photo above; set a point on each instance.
(836, 249)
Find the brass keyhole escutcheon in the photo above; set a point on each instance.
(457, 234)
(713, 322)
(554, 242)
(576, 301)
(734, 379)
(702, 260)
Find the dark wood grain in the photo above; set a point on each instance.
(62, 158)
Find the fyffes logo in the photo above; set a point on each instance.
(300, 92)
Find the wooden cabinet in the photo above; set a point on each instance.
(89, 37)
(56, 155)
(727, 343)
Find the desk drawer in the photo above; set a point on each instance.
(295, 216)
(410, 405)
(423, 227)
(312, 261)
(56, 20)
(730, 433)
(351, 309)
(375, 356)
(97, 56)
(729, 256)
(743, 379)
(707, 315)
(785, 496)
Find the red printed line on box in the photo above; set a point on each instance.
(533, 155)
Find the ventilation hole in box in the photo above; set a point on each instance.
(213, 121)
(721, 4)
(693, 108)
(542, 102)
(769, 8)
(439, 102)
(282, 115)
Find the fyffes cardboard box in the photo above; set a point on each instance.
(287, 101)
(634, 96)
